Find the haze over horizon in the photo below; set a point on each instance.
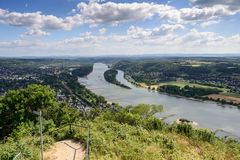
(127, 27)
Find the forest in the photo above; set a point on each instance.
(187, 91)
(82, 70)
(110, 76)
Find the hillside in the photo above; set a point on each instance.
(130, 133)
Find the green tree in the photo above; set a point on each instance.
(17, 106)
(63, 114)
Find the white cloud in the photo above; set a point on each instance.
(167, 28)
(99, 12)
(132, 42)
(208, 23)
(102, 31)
(190, 42)
(119, 38)
(233, 5)
(36, 32)
(36, 21)
(138, 33)
(115, 13)
(203, 14)
(16, 44)
(141, 33)
(87, 38)
(196, 38)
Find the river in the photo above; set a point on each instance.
(207, 114)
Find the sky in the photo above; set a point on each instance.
(118, 27)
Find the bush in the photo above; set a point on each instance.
(154, 123)
(204, 135)
(197, 134)
(185, 129)
(10, 150)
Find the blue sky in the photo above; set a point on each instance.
(130, 27)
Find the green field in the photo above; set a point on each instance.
(184, 83)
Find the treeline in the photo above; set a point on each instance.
(188, 91)
(110, 76)
(82, 70)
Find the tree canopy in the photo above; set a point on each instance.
(17, 106)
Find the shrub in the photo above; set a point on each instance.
(154, 123)
(204, 135)
(24, 146)
(185, 129)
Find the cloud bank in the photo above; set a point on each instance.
(94, 13)
(176, 30)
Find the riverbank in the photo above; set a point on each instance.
(220, 98)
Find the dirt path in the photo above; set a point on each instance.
(65, 150)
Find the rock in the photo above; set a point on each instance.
(186, 121)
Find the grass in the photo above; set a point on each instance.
(114, 140)
(184, 83)
(28, 147)
(126, 135)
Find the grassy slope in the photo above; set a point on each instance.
(127, 136)
(116, 133)
(112, 140)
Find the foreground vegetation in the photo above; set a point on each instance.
(110, 76)
(130, 133)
